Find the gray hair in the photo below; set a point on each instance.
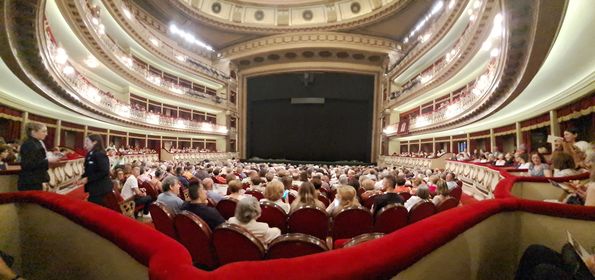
(343, 179)
(208, 183)
(168, 182)
(247, 209)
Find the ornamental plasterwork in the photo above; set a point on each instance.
(311, 39)
(333, 15)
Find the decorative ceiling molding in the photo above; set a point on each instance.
(332, 16)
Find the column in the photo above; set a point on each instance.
(24, 125)
(146, 140)
(434, 142)
(127, 139)
(107, 138)
(450, 141)
(468, 143)
(519, 134)
(58, 133)
(492, 140)
(554, 125)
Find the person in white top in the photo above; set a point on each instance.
(563, 164)
(130, 190)
(423, 194)
(247, 211)
(274, 192)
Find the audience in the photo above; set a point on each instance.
(442, 192)
(390, 196)
(345, 198)
(170, 195)
(274, 193)
(306, 197)
(563, 164)
(538, 167)
(211, 194)
(235, 190)
(423, 194)
(198, 205)
(247, 211)
(131, 190)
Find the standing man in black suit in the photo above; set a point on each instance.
(96, 177)
(34, 159)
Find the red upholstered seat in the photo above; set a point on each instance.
(273, 215)
(405, 195)
(446, 204)
(195, 235)
(390, 218)
(294, 187)
(227, 207)
(211, 202)
(294, 245)
(421, 210)
(150, 190)
(233, 243)
(324, 200)
(112, 201)
(369, 202)
(309, 220)
(456, 193)
(290, 198)
(352, 221)
(362, 238)
(163, 219)
(258, 195)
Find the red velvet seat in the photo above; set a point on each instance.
(456, 193)
(369, 202)
(227, 207)
(258, 195)
(294, 187)
(362, 238)
(211, 202)
(273, 215)
(112, 201)
(233, 243)
(324, 200)
(352, 221)
(390, 218)
(163, 219)
(405, 195)
(150, 190)
(293, 245)
(290, 198)
(309, 220)
(195, 235)
(421, 210)
(446, 204)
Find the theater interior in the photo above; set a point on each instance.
(362, 87)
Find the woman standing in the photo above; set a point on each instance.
(34, 159)
(96, 177)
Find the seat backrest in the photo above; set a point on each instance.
(163, 219)
(290, 198)
(446, 204)
(150, 190)
(258, 195)
(352, 221)
(421, 210)
(273, 215)
(390, 218)
(233, 243)
(324, 200)
(369, 202)
(363, 238)
(227, 207)
(310, 220)
(456, 193)
(195, 235)
(293, 245)
(111, 201)
(405, 195)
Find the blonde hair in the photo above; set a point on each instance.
(33, 126)
(234, 186)
(347, 194)
(442, 188)
(274, 190)
(307, 194)
(367, 184)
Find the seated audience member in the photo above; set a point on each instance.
(181, 178)
(423, 194)
(274, 192)
(451, 181)
(170, 195)
(522, 161)
(500, 161)
(256, 183)
(432, 183)
(401, 185)
(345, 198)
(4, 152)
(563, 164)
(131, 191)
(538, 166)
(218, 178)
(442, 192)
(581, 193)
(235, 190)
(509, 159)
(287, 184)
(306, 196)
(198, 205)
(368, 186)
(247, 211)
(212, 194)
(543, 263)
(144, 176)
(571, 135)
(155, 182)
(390, 196)
(239, 172)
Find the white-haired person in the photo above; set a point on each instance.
(422, 194)
(247, 211)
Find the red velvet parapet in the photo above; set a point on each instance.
(380, 258)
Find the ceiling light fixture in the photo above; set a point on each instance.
(61, 57)
(91, 61)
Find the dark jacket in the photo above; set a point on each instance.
(386, 199)
(208, 214)
(34, 165)
(97, 172)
